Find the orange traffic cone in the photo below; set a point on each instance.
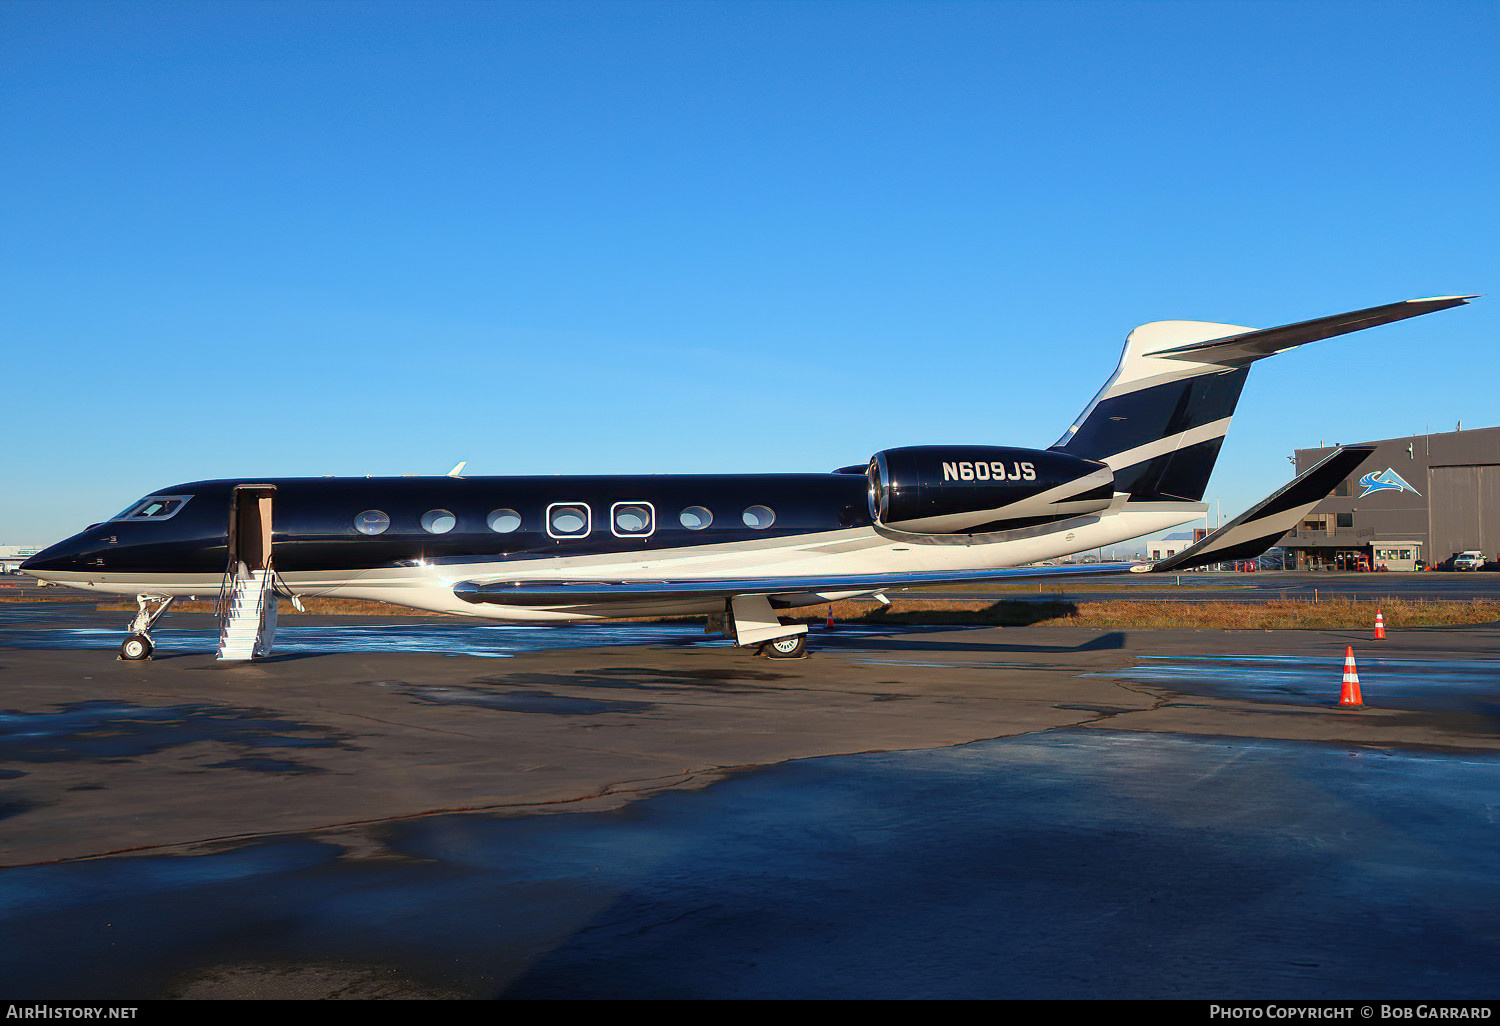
(1379, 626)
(1350, 698)
(829, 625)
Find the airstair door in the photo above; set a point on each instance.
(250, 526)
(247, 601)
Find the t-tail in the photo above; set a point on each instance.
(1159, 421)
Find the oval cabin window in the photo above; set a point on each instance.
(695, 518)
(503, 521)
(438, 521)
(759, 517)
(372, 521)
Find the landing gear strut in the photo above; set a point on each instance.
(138, 645)
(750, 620)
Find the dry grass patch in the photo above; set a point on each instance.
(1333, 614)
(43, 595)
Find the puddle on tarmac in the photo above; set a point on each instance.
(492, 641)
(497, 641)
(1417, 684)
(102, 729)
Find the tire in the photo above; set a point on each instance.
(136, 647)
(793, 647)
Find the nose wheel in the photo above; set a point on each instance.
(137, 646)
(148, 609)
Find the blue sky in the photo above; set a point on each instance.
(698, 237)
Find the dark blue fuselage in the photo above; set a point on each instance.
(315, 520)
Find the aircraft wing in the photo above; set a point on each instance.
(1244, 537)
(1259, 527)
(565, 593)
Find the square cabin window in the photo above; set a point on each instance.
(632, 519)
(569, 520)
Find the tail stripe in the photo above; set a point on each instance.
(1177, 476)
(1165, 446)
(1142, 417)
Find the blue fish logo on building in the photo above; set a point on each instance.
(1386, 480)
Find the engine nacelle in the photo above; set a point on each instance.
(954, 489)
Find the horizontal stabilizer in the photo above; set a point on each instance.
(1249, 346)
(1262, 525)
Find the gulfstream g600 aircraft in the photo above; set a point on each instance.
(737, 548)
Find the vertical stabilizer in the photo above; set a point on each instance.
(1160, 420)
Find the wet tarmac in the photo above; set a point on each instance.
(442, 638)
(1020, 812)
(75, 626)
(1076, 864)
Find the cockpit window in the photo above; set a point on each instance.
(155, 507)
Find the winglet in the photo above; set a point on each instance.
(458, 471)
(1262, 525)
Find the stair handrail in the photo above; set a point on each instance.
(231, 578)
(266, 582)
(226, 586)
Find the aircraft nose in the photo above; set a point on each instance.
(65, 556)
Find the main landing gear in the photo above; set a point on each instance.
(750, 620)
(794, 647)
(138, 644)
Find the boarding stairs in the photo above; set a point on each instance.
(247, 610)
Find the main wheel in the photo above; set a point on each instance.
(137, 646)
(786, 648)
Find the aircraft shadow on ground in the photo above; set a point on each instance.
(911, 639)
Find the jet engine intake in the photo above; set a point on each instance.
(963, 489)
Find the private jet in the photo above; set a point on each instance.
(737, 549)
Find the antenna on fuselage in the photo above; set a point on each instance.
(458, 471)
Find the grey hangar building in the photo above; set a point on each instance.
(1415, 502)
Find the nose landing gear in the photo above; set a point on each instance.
(138, 644)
